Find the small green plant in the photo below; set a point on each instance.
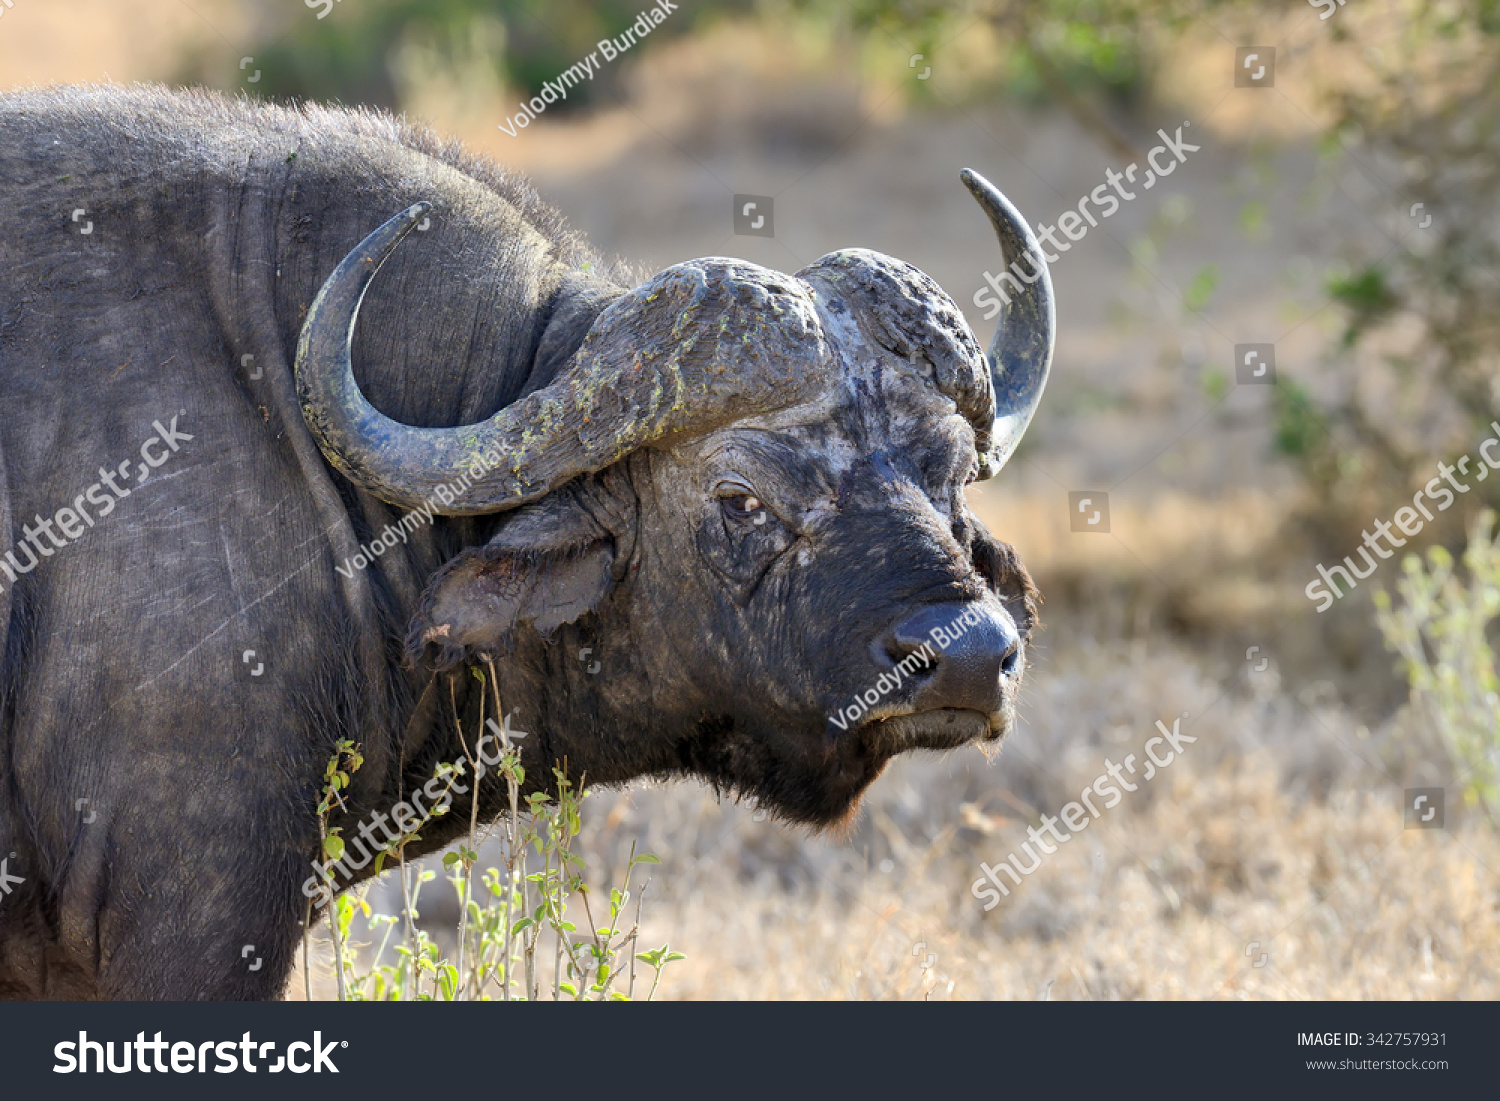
(514, 917)
(1441, 631)
(341, 767)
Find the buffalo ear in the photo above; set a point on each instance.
(549, 564)
(1000, 565)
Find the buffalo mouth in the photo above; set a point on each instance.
(942, 728)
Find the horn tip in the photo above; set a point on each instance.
(974, 181)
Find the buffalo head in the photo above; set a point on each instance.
(744, 493)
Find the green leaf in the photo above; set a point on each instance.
(333, 846)
(1253, 218)
(1301, 428)
(447, 977)
(1201, 289)
(1365, 292)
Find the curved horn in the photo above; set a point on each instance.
(702, 343)
(360, 441)
(1020, 354)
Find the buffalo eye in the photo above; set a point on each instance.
(741, 537)
(740, 504)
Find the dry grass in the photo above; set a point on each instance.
(1158, 904)
(1281, 826)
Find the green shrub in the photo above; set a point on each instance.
(1441, 630)
(500, 950)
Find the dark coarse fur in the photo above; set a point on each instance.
(156, 796)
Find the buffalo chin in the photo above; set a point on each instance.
(873, 746)
(944, 728)
(823, 788)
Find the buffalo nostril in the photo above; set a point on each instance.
(1011, 660)
(897, 649)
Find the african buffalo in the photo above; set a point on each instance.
(738, 494)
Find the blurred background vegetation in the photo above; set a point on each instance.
(1410, 98)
